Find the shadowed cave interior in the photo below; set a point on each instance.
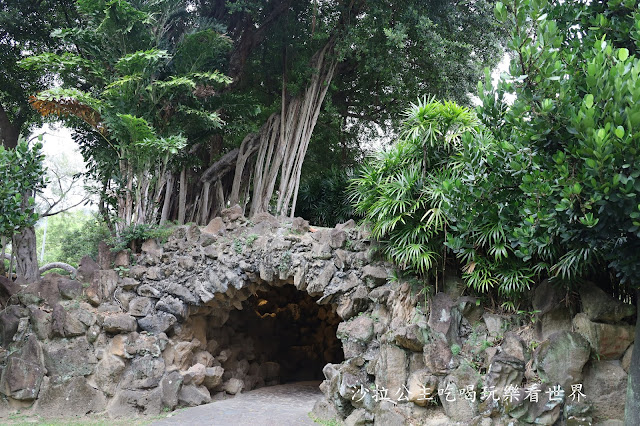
(283, 329)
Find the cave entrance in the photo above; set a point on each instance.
(283, 335)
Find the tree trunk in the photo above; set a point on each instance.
(632, 406)
(205, 203)
(248, 147)
(3, 250)
(128, 212)
(285, 137)
(158, 189)
(125, 196)
(24, 250)
(167, 199)
(218, 205)
(102, 207)
(266, 161)
(9, 131)
(182, 200)
(142, 198)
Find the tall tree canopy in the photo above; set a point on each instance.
(348, 65)
(25, 28)
(376, 56)
(137, 100)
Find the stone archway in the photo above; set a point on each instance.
(247, 304)
(206, 314)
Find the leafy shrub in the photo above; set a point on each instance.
(553, 189)
(400, 192)
(22, 174)
(82, 241)
(323, 199)
(546, 185)
(133, 236)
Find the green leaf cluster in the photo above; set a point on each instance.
(21, 176)
(544, 183)
(139, 88)
(401, 192)
(25, 29)
(133, 236)
(323, 198)
(71, 236)
(557, 174)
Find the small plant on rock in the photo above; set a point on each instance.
(285, 262)
(251, 239)
(237, 245)
(122, 271)
(455, 349)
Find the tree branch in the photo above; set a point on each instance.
(221, 167)
(251, 37)
(47, 214)
(58, 265)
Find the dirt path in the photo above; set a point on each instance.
(288, 404)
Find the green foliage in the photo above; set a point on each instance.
(285, 262)
(330, 422)
(59, 229)
(72, 243)
(551, 188)
(122, 270)
(25, 28)
(394, 51)
(323, 199)
(138, 96)
(401, 191)
(251, 238)
(133, 236)
(546, 185)
(21, 176)
(237, 245)
(455, 349)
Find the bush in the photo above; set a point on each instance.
(83, 241)
(133, 236)
(554, 189)
(323, 199)
(400, 192)
(547, 185)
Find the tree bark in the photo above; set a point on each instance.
(182, 200)
(167, 199)
(248, 148)
(221, 167)
(632, 406)
(24, 250)
(204, 214)
(266, 162)
(125, 196)
(218, 205)
(284, 138)
(3, 254)
(9, 131)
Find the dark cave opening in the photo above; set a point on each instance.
(285, 326)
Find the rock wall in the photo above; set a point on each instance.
(241, 304)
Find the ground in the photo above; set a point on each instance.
(287, 404)
(273, 405)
